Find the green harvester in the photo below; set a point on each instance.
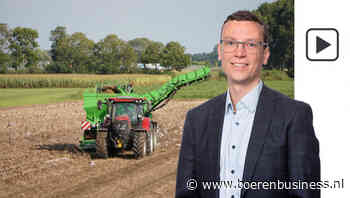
(122, 120)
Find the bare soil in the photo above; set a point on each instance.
(40, 157)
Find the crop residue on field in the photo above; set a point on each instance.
(40, 155)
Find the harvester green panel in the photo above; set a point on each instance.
(94, 115)
(154, 97)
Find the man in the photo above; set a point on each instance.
(251, 133)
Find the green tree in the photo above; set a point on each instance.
(44, 59)
(81, 49)
(70, 53)
(152, 53)
(187, 60)
(4, 61)
(139, 45)
(107, 54)
(59, 39)
(173, 56)
(209, 58)
(279, 16)
(128, 57)
(61, 52)
(4, 50)
(22, 47)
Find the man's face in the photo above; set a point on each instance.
(242, 65)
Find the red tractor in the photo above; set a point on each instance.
(126, 126)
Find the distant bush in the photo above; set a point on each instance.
(274, 75)
(222, 75)
(218, 74)
(57, 67)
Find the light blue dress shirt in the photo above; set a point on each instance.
(235, 138)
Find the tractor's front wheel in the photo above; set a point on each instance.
(102, 145)
(139, 145)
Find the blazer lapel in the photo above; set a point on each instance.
(262, 119)
(215, 125)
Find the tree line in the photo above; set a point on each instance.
(279, 16)
(75, 53)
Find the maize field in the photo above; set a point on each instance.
(77, 80)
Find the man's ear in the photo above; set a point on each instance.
(266, 55)
(219, 52)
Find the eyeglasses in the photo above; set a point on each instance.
(250, 46)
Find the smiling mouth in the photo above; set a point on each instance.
(239, 64)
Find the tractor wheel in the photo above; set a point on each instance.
(139, 144)
(149, 145)
(102, 145)
(154, 137)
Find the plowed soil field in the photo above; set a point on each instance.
(40, 157)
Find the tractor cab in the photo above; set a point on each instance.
(126, 108)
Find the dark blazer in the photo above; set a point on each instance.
(282, 147)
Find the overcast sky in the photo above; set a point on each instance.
(194, 23)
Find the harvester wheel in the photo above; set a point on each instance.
(139, 145)
(102, 145)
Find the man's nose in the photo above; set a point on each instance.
(240, 50)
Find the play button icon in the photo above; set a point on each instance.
(322, 44)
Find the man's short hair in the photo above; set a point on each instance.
(244, 15)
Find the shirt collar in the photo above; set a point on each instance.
(249, 101)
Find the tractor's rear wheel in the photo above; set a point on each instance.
(139, 145)
(149, 145)
(154, 132)
(102, 145)
(154, 137)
